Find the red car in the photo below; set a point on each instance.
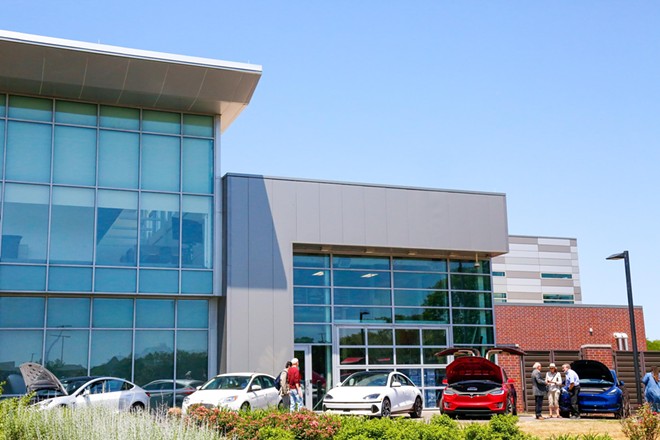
(476, 386)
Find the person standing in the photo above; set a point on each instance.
(295, 391)
(651, 383)
(572, 385)
(539, 388)
(284, 385)
(553, 380)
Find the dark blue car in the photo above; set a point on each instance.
(600, 391)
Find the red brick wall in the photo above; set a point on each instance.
(564, 327)
(512, 364)
(601, 354)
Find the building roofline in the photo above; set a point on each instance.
(555, 305)
(542, 236)
(371, 185)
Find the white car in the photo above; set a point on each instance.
(111, 392)
(375, 393)
(236, 391)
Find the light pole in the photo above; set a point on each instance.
(633, 329)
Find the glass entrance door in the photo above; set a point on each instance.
(304, 355)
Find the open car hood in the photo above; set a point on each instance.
(473, 368)
(590, 369)
(37, 377)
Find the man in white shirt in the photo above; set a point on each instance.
(572, 385)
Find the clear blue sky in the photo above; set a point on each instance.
(556, 104)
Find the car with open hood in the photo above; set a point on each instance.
(477, 386)
(236, 391)
(112, 392)
(375, 393)
(601, 391)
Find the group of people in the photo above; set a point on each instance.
(290, 389)
(551, 385)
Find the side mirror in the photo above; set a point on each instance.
(396, 384)
(255, 387)
(621, 383)
(510, 381)
(86, 392)
(198, 387)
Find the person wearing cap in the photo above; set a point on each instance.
(539, 389)
(295, 392)
(553, 380)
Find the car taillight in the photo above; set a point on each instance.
(188, 390)
(147, 393)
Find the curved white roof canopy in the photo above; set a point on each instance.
(67, 69)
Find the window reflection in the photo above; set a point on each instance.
(158, 244)
(66, 352)
(112, 313)
(72, 226)
(192, 355)
(116, 228)
(111, 353)
(28, 152)
(25, 223)
(17, 347)
(197, 227)
(12, 312)
(154, 355)
(68, 312)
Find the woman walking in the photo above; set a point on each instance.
(652, 388)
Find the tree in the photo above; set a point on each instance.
(653, 345)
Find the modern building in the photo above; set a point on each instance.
(124, 252)
(538, 270)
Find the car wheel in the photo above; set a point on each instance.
(514, 410)
(509, 406)
(386, 408)
(624, 411)
(417, 409)
(137, 406)
(245, 406)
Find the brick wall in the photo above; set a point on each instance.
(599, 353)
(564, 327)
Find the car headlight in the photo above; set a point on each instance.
(613, 391)
(496, 392)
(186, 399)
(449, 392)
(371, 396)
(229, 399)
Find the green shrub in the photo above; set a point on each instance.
(644, 425)
(269, 433)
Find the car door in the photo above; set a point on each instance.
(397, 393)
(271, 394)
(90, 395)
(406, 392)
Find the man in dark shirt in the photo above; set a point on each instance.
(295, 391)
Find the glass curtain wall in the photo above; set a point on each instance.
(392, 312)
(106, 200)
(93, 191)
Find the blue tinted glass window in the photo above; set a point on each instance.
(76, 113)
(68, 312)
(193, 314)
(200, 282)
(311, 314)
(22, 278)
(470, 282)
(468, 316)
(160, 163)
(463, 266)
(198, 125)
(375, 263)
(72, 226)
(154, 313)
(302, 260)
(471, 299)
(112, 313)
(473, 335)
(414, 280)
(70, 279)
(35, 109)
(421, 298)
(363, 314)
(198, 166)
(21, 312)
(28, 152)
(2, 106)
(420, 265)
(421, 315)
(159, 281)
(16, 348)
(25, 223)
(120, 117)
(311, 295)
(111, 353)
(312, 333)
(119, 156)
(161, 122)
(158, 244)
(197, 227)
(359, 278)
(116, 228)
(311, 277)
(154, 355)
(192, 354)
(115, 280)
(371, 297)
(74, 159)
(67, 351)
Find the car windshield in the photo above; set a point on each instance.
(227, 383)
(71, 385)
(366, 379)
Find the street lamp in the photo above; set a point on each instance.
(633, 329)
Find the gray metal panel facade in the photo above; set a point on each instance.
(266, 217)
